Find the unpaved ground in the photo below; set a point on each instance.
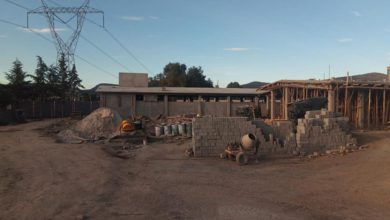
(41, 179)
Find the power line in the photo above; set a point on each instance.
(16, 4)
(48, 39)
(115, 39)
(90, 42)
(127, 50)
(97, 67)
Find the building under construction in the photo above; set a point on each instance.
(365, 103)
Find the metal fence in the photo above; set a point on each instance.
(57, 109)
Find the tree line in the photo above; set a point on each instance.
(49, 82)
(177, 75)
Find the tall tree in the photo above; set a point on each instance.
(195, 78)
(17, 82)
(233, 85)
(63, 77)
(39, 79)
(5, 96)
(156, 80)
(74, 82)
(53, 82)
(174, 75)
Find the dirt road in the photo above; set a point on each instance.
(42, 179)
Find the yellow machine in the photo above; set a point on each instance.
(126, 126)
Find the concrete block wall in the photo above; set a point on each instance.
(212, 134)
(322, 130)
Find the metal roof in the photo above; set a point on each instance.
(178, 90)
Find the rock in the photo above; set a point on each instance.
(316, 154)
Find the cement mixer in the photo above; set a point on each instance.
(244, 151)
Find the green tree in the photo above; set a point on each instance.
(234, 85)
(174, 75)
(63, 77)
(74, 82)
(156, 80)
(5, 96)
(53, 82)
(17, 85)
(195, 78)
(39, 79)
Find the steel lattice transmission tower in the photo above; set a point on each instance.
(65, 47)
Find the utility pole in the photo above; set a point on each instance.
(65, 47)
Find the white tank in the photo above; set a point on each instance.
(248, 142)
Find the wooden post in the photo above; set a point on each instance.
(337, 98)
(331, 100)
(286, 95)
(376, 109)
(346, 96)
(33, 109)
(272, 109)
(384, 108)
(369, 109)
(360, 109)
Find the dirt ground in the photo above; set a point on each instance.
(42, 179)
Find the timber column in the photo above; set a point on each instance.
(272, 107)
(286, 98)
(360, 109)
(331, 100)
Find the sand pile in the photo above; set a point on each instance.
(100, 124)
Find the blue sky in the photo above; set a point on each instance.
(233, 40)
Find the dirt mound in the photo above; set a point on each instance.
(100, 124)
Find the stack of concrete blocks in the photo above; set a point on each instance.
(284, 132)
(322, 130)
(211, 135)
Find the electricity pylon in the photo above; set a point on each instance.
(65, 47)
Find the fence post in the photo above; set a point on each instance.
(33, 109)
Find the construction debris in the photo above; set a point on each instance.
(103, 123)
(322, 130)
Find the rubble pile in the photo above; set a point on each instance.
(100, 124)
(321, 130)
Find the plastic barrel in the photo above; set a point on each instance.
(167, 130)
(189, 129)
(175, 130)
(182, 129)
(159, 131)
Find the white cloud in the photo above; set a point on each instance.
(3, 36)
(236, 49)
(387, 30)
(154, 17)
(133, 18)
(356, 13)
(41, 30)
(344, 40)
